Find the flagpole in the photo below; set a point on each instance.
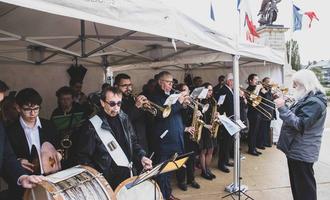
(291, 34)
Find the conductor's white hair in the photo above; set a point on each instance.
(307, 79)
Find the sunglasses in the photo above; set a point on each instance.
(113, 103)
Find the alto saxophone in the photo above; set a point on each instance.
(214, 119)
(198, 124)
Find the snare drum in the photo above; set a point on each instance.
(147, 190)
(76, 183)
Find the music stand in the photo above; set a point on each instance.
(63, 122)
(169, 165)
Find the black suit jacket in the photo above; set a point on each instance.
(10, 168)
(18, 141)
(228, 104)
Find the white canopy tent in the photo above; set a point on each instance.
(29, 37)
(127, 35)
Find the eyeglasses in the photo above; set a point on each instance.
(126, 85)
(167, 81)
(29, 109)
(113, 103)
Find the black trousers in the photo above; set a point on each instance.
(303, 185)
(189, 171)
(263, 136)
(225, 146)
(254, 129)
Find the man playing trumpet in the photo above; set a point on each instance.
(168, 131)
(132, 106)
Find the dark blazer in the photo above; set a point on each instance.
(228, 104)
(18, 141)
(9, 166)
(172, 142)
(138, 120)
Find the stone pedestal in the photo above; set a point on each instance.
(272, 36)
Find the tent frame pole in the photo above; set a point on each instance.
(236, 117)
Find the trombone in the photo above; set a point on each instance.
(257, 100)
(276, 88)
(153, 107)
(194, 102)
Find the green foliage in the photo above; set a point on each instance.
(318, 73)
(295, 56)
(328, 93)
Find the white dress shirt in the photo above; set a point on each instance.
(32, 136)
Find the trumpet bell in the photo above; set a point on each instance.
(205, 108)
(166, 112)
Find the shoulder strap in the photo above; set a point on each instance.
(112, 146)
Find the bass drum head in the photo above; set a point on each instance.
(83, 183)
(146, 190)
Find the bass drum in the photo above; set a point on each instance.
(76, 183)
(147, 190)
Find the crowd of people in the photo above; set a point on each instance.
(139, 125)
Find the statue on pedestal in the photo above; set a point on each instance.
(268, 12)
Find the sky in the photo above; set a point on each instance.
(314, 42)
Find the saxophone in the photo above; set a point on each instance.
(198, 124)
(214, 119)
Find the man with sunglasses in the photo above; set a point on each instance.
(29, 132)
(108, 142)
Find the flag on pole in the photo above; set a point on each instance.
(239, 5)
(251, 26)
(297, 18)
(212, 13)
(311, 15)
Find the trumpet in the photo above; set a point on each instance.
(153, 107)
(166, 111)
(193, 102)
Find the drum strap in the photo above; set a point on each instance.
(112, 146)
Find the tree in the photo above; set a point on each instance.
(295, 57)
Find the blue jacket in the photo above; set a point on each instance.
(172, 142)
(302, 129)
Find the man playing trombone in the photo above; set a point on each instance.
(254, 116)
(263, 138)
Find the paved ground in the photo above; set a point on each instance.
(266, 176)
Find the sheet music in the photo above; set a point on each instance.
(241, 124)
(230, 126)
(196, 92)
(172, 99)
(203, 94)
(221, 99)
(146, 175)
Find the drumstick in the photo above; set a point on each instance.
(152, 154)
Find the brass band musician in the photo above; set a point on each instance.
(186, 176)
(208, 142)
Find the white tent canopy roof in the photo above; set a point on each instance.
(128, 31)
